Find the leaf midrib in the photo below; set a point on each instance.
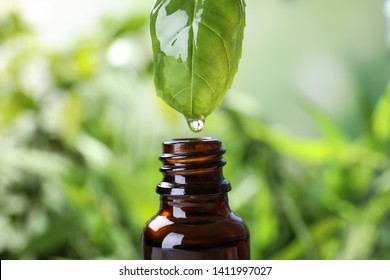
(193, 58)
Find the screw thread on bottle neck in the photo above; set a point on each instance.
(192, 166)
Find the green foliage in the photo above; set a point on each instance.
(319, 199)
(197, 48)
(12, 25)
(79, 141)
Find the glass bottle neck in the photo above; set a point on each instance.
(199, 206)
(192, 167)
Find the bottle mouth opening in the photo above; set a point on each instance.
(187, 140)
(192, 146)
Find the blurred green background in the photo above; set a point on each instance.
(306, 128)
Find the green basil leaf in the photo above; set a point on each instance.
(197, 47)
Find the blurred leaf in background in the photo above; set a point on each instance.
(81, 132)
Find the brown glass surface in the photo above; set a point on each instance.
(194, 220)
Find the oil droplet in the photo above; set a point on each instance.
(196, 125)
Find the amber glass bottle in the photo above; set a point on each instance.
(194, 220)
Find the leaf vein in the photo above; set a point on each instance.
(206, 82)
(223, 42)
(177, 93)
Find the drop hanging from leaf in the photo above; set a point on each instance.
(195, 125)
(197, 47)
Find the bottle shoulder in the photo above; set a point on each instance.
(159, 220)
(230, 226)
